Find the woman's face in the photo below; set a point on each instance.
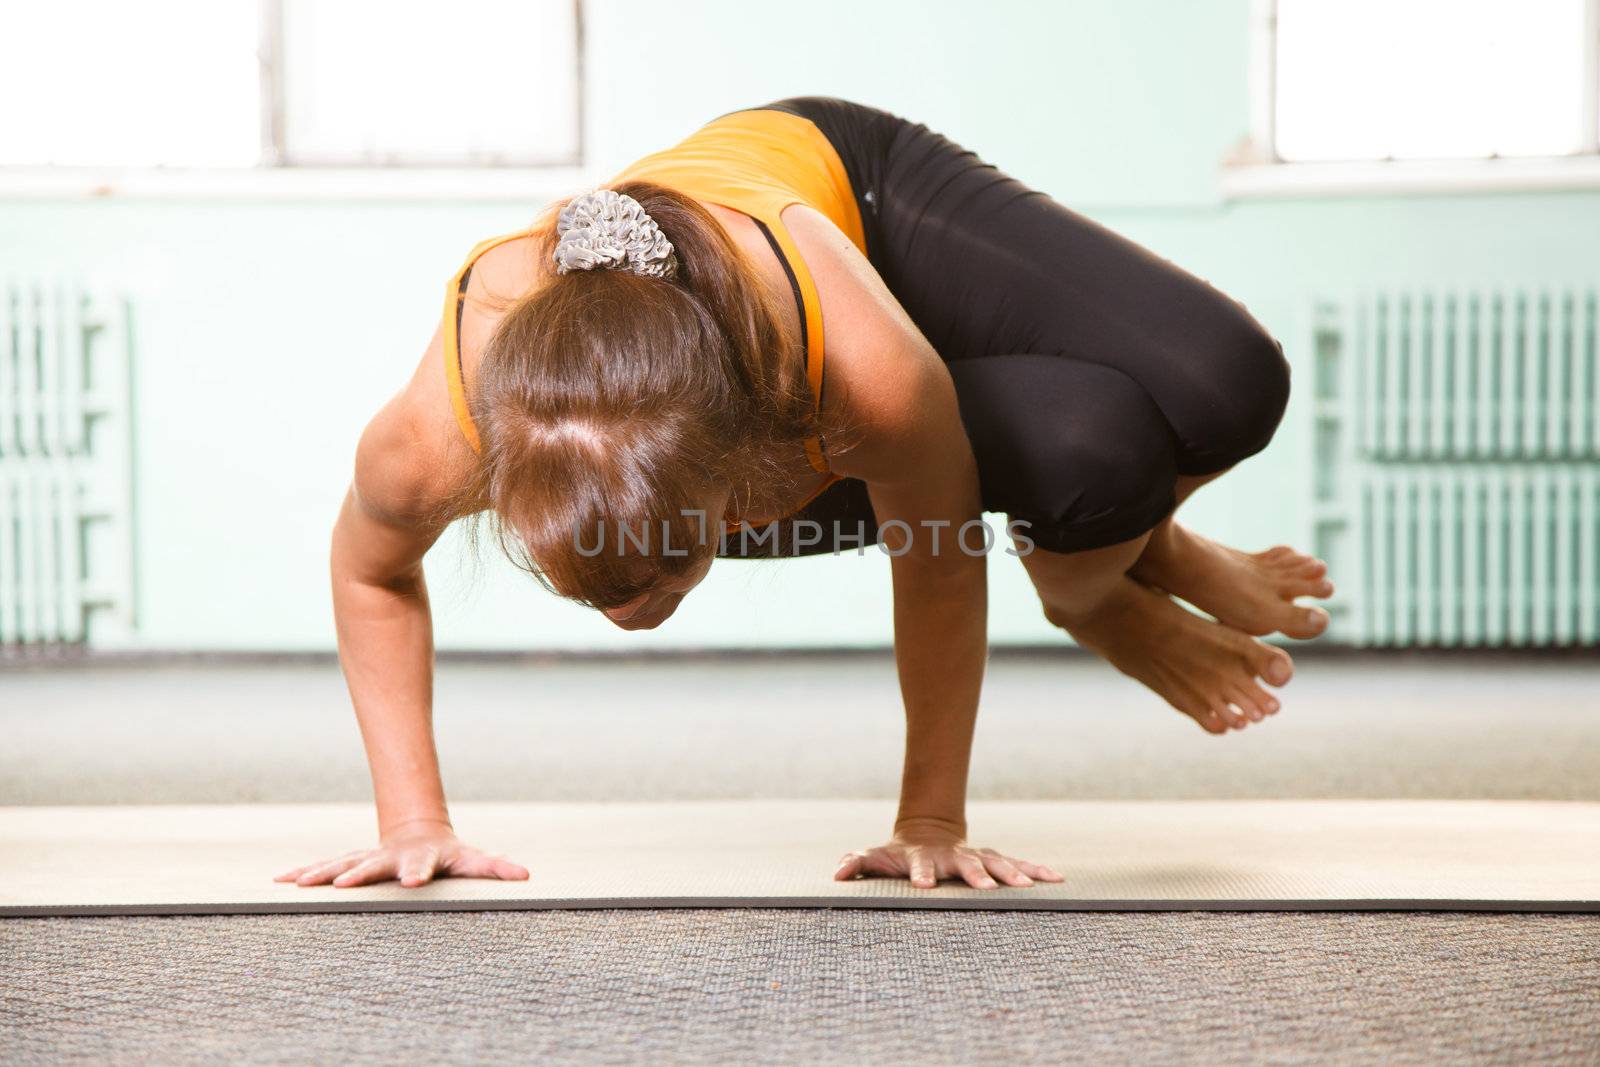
(655, 606)
(650, 609)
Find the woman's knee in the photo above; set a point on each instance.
(1240, 404)
(1112, 466)
(1079, 451)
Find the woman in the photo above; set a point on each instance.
(656, 354)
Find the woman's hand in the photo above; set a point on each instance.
(927, 857)
(415, 853)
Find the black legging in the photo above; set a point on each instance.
(1090, 372)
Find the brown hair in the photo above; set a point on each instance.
(607, 400)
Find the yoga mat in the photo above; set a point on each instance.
(1117, 856)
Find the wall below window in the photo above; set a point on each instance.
(269, 332)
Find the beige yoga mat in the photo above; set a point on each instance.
(1122, 856)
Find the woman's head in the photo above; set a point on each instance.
(615, 409)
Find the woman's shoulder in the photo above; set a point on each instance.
(412, 459)
(497, 278)
(881, 371)
(491, 282)
(413, 455)
(500, 270)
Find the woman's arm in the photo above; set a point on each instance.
(912, 451)
(385, 636)
(385, 628)
(920, 473)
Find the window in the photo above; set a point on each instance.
(278, 83)
(84, 83)
(1482, 89)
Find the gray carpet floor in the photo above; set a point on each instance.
(1053, 725)
(798, 987)
(719, 986)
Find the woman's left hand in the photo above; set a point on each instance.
(927, 858)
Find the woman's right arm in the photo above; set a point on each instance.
(385, 634)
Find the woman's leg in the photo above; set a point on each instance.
(987, 266)
(1203, 668)
(1144, 373)
(1091, 483)
(1250, 591)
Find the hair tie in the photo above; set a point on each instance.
(606, 229)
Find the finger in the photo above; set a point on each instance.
(294, 875)
(484, 866)
(324, 873)
(973, 870)
(1038, 871)
(849, 866)
(923, 873)
(474, 864)
(507, 871)
(377, 869)
(417, 867)
(1002, 867)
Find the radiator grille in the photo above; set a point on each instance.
(1457, 484)
(1477, 375)
(66, 506)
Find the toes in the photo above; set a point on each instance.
(1315, 587)
(1268, 703)
(1236, 720)
(1247, 707)
(1303, 585)
(1208, 720)
(1289, 558)
(1306, 623)
(1256, 701)
(1274, 665)
(1293, 585)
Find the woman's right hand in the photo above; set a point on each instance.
(415, 853)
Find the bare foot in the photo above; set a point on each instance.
(1249, 591)
(1205, 669)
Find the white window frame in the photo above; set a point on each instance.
(1254, 168)
(279, 177)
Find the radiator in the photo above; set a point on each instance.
(1456, 446)
(66, 451)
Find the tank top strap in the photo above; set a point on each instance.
(808, 304)
(455, 299)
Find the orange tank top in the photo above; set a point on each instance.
(757, 162)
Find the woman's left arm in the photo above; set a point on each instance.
(910, 448)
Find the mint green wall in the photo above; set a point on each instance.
(268, 332)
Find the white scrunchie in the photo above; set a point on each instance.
(607, 229)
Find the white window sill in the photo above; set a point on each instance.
(533, 184)
(1390, 177)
